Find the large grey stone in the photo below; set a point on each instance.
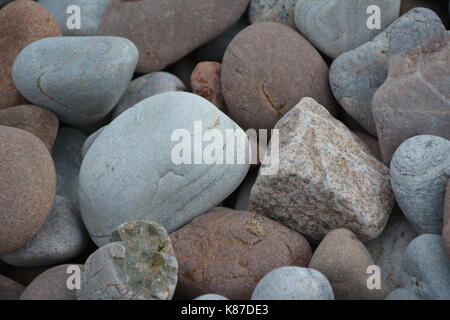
(356, 75)
(337, 26)
(90, 140)
(80, 79)
(420, 170)
(129, 173)
(61, 238)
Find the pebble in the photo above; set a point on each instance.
(440, 7)
(146, 86)
(338, 26)
(327, 178)
(417, 84)
(91, 13)
(228, 252)
(139, 264)
(426, 268)
(280, 11)
(35, 23)
(154, 26)
(344, 261)
(90, 140)
(10, 289)
(206, 82)
(80, 79)
(356, 75)
(40, 122)
(27, 197)
(402, 294)
(61, 238)
(261, 82)
(419, 175)
(211, 296)
(128, 173)
(51, 285)
(293, 283)
(388, 249)
(446, 228)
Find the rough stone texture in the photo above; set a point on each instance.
(426, 268)
(228, 252)
(370, 142)
(388, 249)
(420, 170)
(67, 158)
(281, 11)
(129, 172)
(51, 285)
(27, 197)
(415, 98)
(337, 26)
(21, 23)
(90, 140)
(356, 75)
(446, 228)
(293, 283)
(61, 238)
(145, 87)
(266, 70)
(402, 294)
(139, 264)
(327, 178)
(10, 289)
(155, 25)
(438, 6)
(206, 82)
(211, 296)
(80, 79)
(40, 122)
(91, 13)
(344, 261)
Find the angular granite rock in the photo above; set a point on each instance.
(446, 228)
(420, 170)
(327, 178)
(266, 70)
(167, 30)
(228, 252)
(10, 289)
(281, 11)
(134, 170)
(139, 264)
(80, 79)
(35, 23)
(356, 75)
(415, 98)
(337, 26)
(40, 122)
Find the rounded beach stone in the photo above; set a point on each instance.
(228, 252)
(27, 198)
(326, 179)
(281, 11)
(80, 79)
(154, 26)
(61, 238)
(40, 122)
(35, 23)
(440, 7)
(420, 170)
(139, 264)
(261, 82)
(402, 294)
(145, 87)
(344, 261)
(426, 268)
(293, 283)
(356, 75)
(446, 228)
(337, 26)
(10, 289)
(90, 12)
(90, 140)
(211, 296)
(134, 169)
(206, 82)
(52, 285)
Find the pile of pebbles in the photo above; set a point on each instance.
(93, 205)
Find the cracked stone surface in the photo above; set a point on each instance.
(327, 178)
(128, 172)
(228, 252)
(139, 264)
(266, 70)
(80, 79)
